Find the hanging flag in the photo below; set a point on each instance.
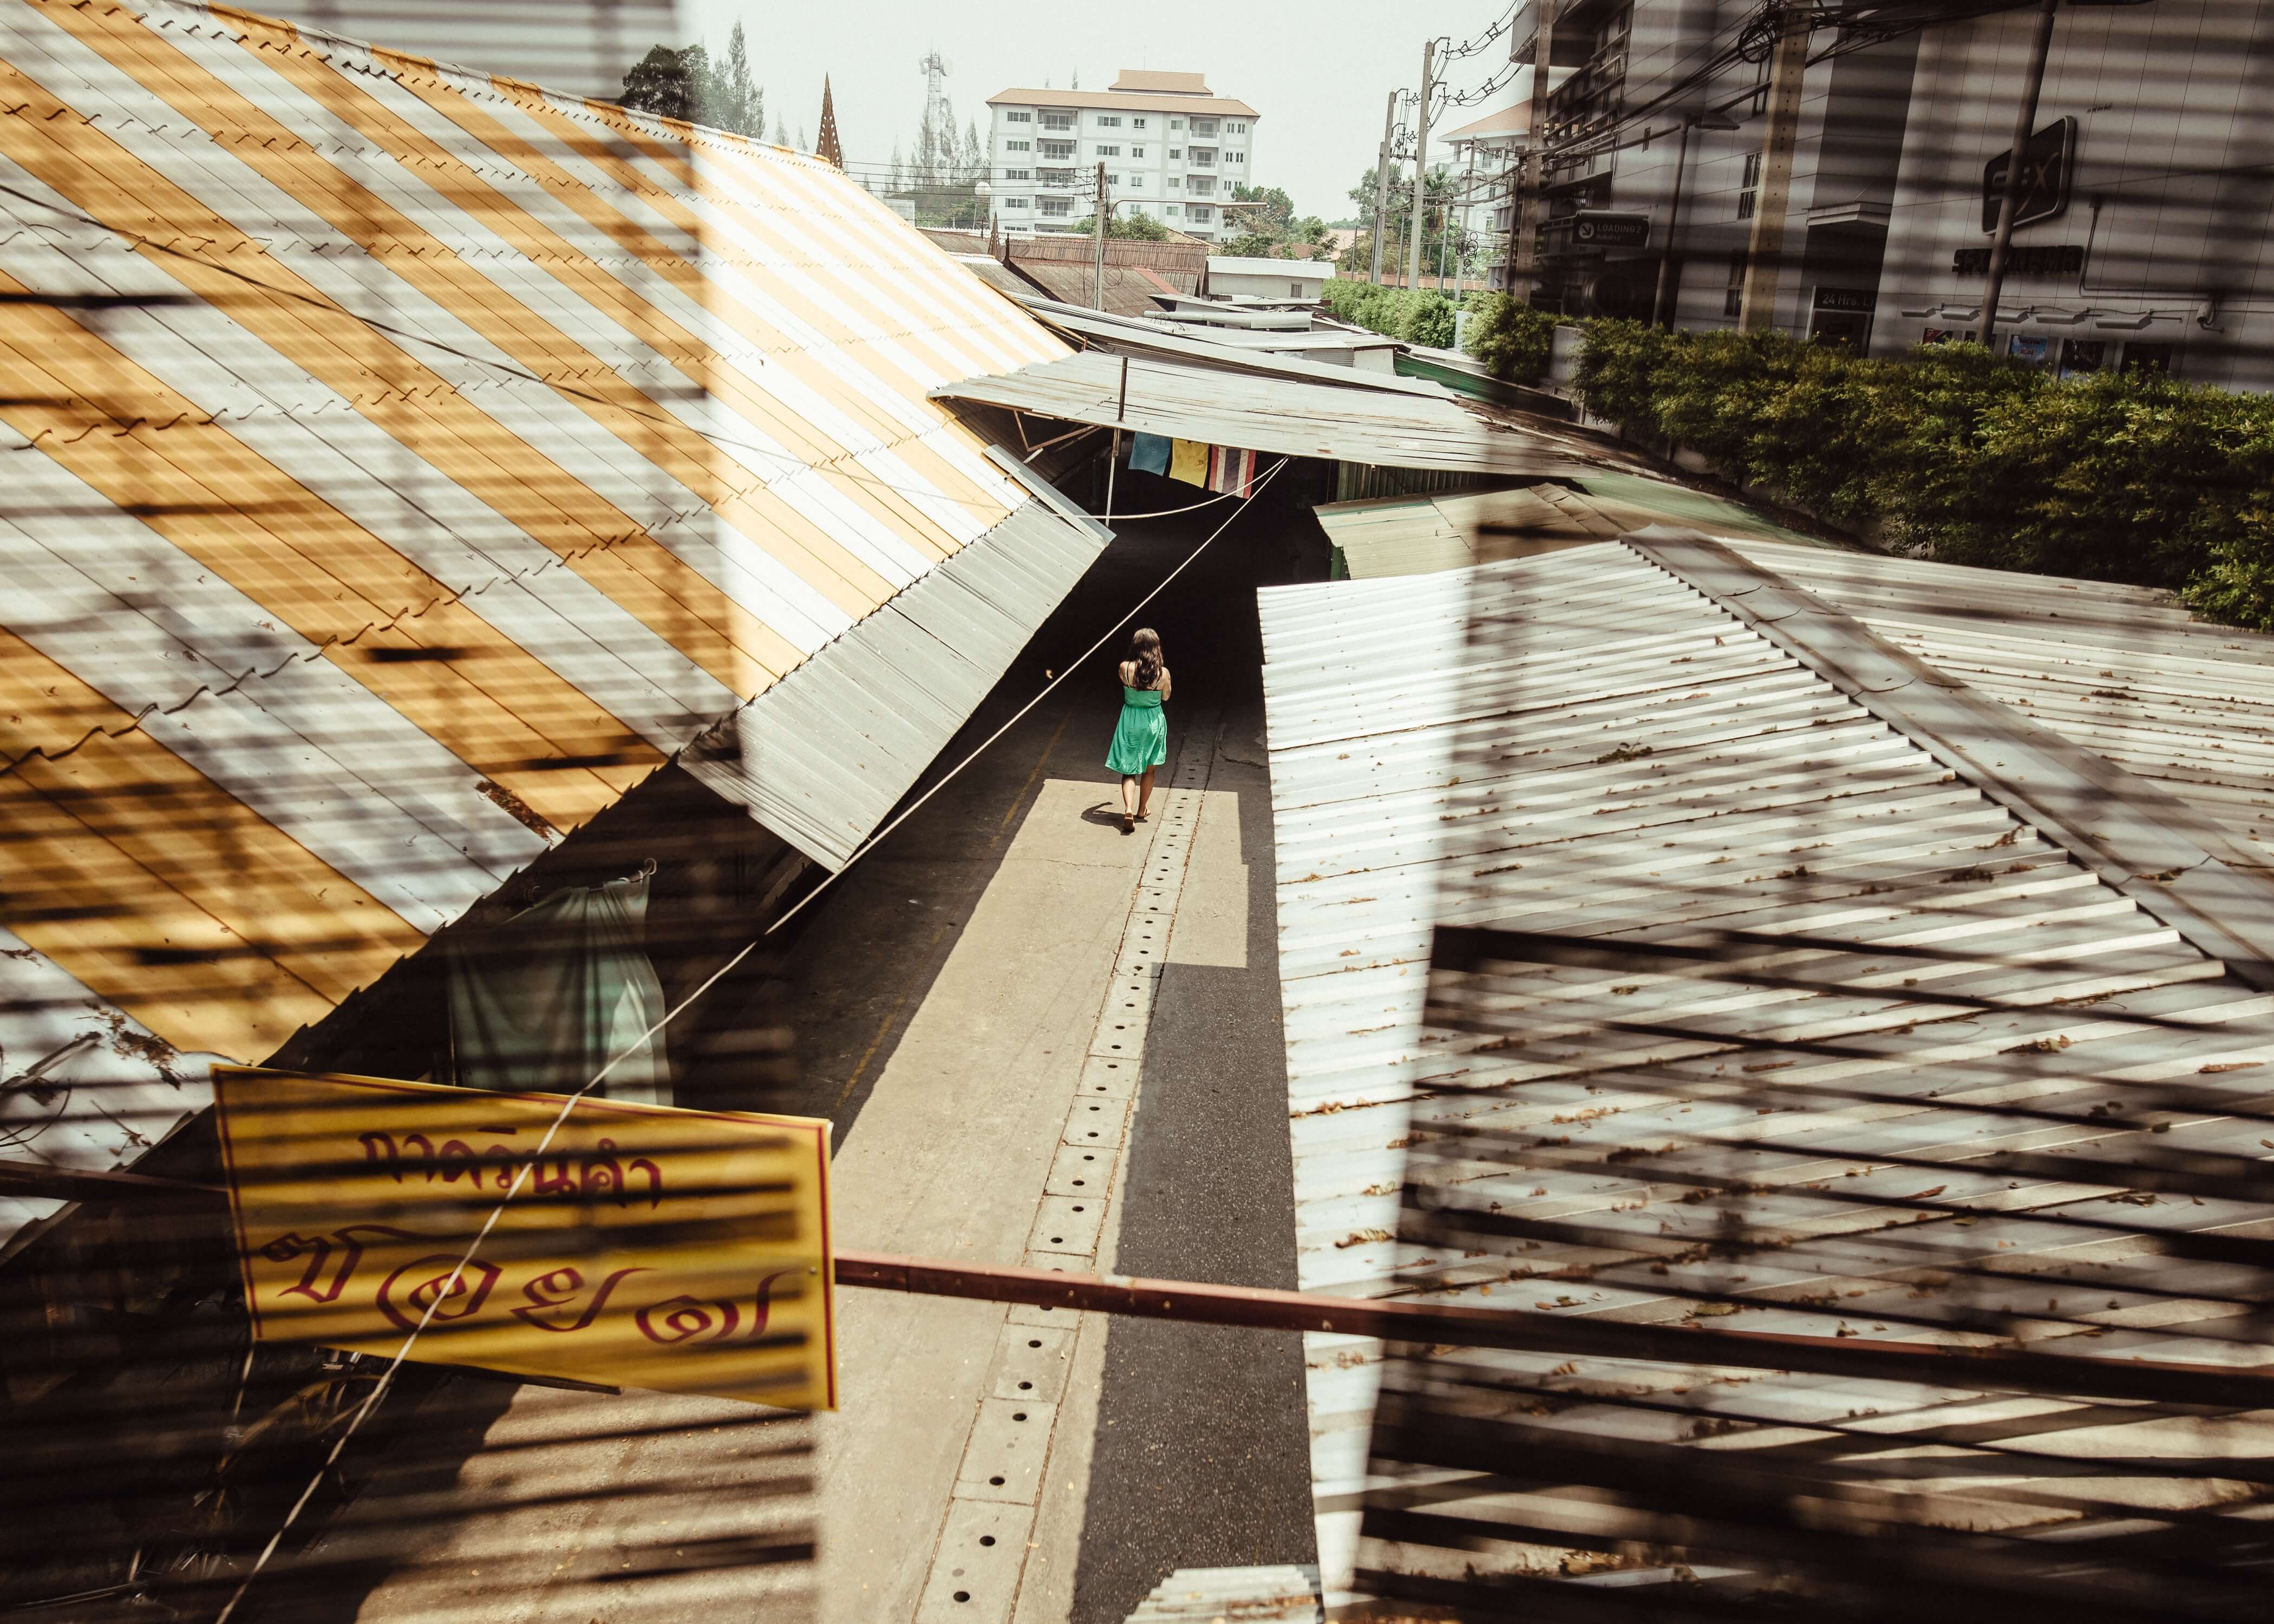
(1232, 470)
(1149, 453)
(1189, 463)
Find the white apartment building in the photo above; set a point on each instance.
(1173, 148)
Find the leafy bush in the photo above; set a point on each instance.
(1512, 339)
(1971, 457)
(1419, 316)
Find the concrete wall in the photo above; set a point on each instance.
(2169, 204)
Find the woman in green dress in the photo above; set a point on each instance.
(1140, 740)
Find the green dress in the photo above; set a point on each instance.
(1140, 739)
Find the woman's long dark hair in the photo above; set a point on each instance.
(1145, 654)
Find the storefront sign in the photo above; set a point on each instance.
(643, 1246)
(2044, 181)
(1861, 301)
(2036, 259)
(1602, 228)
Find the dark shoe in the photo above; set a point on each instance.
(1128, 825)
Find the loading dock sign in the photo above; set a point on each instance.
(686, 1251)
(1596, 228)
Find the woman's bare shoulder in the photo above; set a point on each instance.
(1128, 669)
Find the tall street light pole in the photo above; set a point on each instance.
(2017, 170)
(1381, 180)
(1420, 167)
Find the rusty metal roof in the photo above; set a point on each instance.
(403, 464)
(1750, 1000)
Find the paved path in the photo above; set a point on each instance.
(956, 1001)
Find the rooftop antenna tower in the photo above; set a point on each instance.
(935, 68)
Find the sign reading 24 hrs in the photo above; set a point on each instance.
(641, 1247)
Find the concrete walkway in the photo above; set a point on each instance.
(958, 1001)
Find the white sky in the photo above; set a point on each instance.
(1316, 75)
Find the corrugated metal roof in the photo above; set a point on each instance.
(1406, 536)
(1275, 415)
(403, 464)
(1774, 1020)
(823, 755)
(1149, 336)
(2124, 671)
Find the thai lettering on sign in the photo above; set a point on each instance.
(641, 1247)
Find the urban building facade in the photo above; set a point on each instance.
(1174, 150)
(2140, 244)
(1485, 154)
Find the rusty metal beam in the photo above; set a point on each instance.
(2000, 1368)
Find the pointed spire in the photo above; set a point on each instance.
(827, 149)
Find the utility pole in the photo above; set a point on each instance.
(1764, 253)
(1662, 307)
(1097, 281)
(2017, 170)
(1531, 174)
(1381, 180)
(1421, 165)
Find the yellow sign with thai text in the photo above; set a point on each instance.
(642, 1246)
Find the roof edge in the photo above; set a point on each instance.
(2177, 864)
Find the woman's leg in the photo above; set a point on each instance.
(1129, 795)
(1144, 791)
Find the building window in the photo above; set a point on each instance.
(1057, 205)
(1200, 186)
(1235, 157)
(1112, 179)
(1018, 118)
(1058, 177)
(1733, 298)
(2147, 360)
(1018, 203)
(1175, 153)
(1057, 149)
(1109, 121)
(1176, 123)
(1294, 289)
(1108, 152)
(1017, 147)
(1203, 126)
(1750, 195)
(1201, 213)
(1203, 154)
(1136, 152)
(1017, 174)
(1235, 129)
(1136, 124)
(1058, 121)
(1170, 211)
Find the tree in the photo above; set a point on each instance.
(734, 100)
(659, 83)
(1273, 218)
(686, 84)
(1134, 228)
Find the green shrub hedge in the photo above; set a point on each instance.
(1417, 315)
(1970, 457)
(1511, 338)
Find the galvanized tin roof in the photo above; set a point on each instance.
(1257, 413)
(2122, 670)
(1748, 1009)
(1406, 536)
(401, 465)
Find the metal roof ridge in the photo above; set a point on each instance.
(2177, 865)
